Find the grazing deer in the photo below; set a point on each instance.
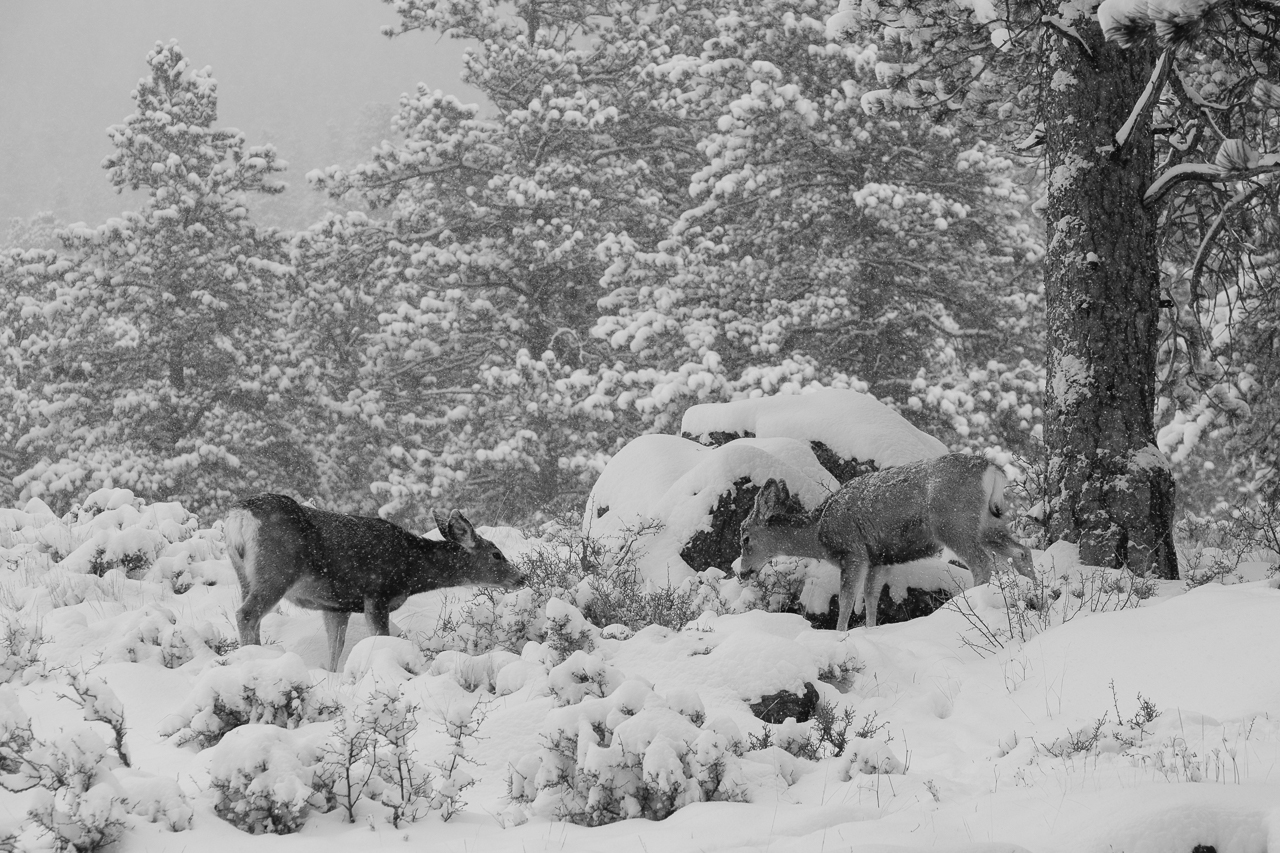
(892, 516)
(344, 564)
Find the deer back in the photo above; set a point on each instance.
(909, 511)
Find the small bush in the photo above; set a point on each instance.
(20, 643)
(1032, 606)
(827, 734)
(159, 800)
(78, 804)
(601, 582)
(369, 758)
(630, 754)
(264, 779)
(276, 691)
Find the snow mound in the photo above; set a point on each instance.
(853, 425)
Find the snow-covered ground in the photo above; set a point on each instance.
(1100, 723)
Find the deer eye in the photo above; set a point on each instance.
(497, 555)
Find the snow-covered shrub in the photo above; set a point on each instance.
(188, 562)
(278, 691)
(101, 705)
(600, 584)
(77, 802)
(1015, 609)
(264, 779)
(461, 723)
(369, 757)
(15, 731)
(158, 800)
(828, 733)
(630, 754)
(112, 529)
(153, 633)
(582, 675)
(20, 642)
(867, 756)
(566, 630)
(473, 672)
(393, 659)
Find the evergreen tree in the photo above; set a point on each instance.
(158, 345)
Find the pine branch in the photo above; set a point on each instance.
(1202, 253)
(1206, 173)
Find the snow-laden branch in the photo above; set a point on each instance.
(1204, 172)
(1058, 23)
(1146, 103)
(1207, 173)
(1033, 140)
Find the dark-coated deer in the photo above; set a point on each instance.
(892, 516)
(344, 564)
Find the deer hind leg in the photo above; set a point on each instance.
(377, 615)
(335, 628)
(854, 568)
(267, 588)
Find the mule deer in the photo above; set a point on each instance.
(344, 564)
(892, 516)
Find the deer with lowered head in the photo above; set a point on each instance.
(900, 514)
(344, 564)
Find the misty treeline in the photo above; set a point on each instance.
(660, 204)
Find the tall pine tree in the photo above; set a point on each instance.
(160, 341)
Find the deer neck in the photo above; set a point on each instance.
(799, 541)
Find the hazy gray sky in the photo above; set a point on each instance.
(293, 72)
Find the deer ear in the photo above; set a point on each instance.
(771, 497)
(461, 531)
(442, 522)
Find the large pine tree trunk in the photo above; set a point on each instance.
(1110, 488)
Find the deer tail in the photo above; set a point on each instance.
(993, 483)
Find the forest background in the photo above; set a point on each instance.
(656, 205)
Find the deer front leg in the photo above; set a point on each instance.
(335, 628)
(871, 594)
(854, 566)
(377, 614)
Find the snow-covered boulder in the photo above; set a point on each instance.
(847, 430)
(681, 503)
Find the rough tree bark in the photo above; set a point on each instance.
(1110, 488)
